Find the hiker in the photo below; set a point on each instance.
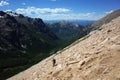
(54, 62)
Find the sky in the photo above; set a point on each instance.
(61, 9)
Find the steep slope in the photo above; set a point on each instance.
(21, 39)
(18, 31)
(95, 57)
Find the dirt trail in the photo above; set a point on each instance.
(95, 58)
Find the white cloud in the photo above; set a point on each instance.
(56, 13)
(3, 3)
(34, 10)
(108, 12)
(9, 10)
(70, 16)
(23, 3)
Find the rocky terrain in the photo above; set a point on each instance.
(94, 57)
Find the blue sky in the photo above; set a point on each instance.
(61, 9)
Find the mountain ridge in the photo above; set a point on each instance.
(21, 39)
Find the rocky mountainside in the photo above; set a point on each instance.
(94, 57)
(19, 32)
(21, 39)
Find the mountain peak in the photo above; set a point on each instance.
(12, 13)
(2, 13)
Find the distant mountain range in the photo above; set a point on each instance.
(83, 23)
(66, 31)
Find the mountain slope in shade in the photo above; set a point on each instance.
(21, 39)
(66, 31)
(95, 57)
(19, 32)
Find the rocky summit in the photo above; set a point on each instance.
(93, 57)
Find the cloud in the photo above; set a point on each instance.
(56, 13)
(69, 16)
(3, 3)
(34, 10)
(23, 3)
(9, 10)
(108, 12)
